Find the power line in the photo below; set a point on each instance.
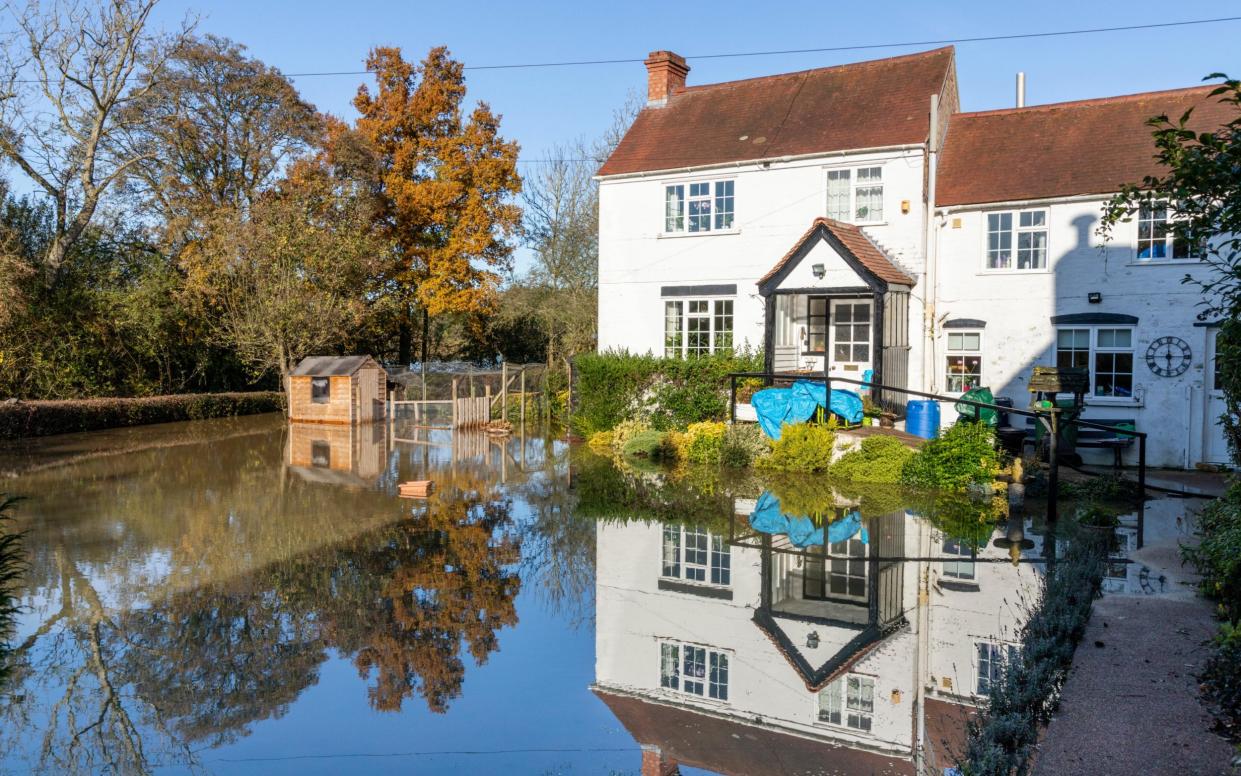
(828, 49)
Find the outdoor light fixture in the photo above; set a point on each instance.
(1094, 297)
(819, 270)
(812, 639)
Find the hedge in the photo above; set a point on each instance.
(40, 418)
(667, 393)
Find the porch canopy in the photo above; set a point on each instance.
(837, 299)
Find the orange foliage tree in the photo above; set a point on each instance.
(446, 186)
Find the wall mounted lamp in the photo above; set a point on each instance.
(819, 270)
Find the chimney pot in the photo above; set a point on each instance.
(665, 76)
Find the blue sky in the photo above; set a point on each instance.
(544, 106)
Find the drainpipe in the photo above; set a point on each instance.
(930, 293)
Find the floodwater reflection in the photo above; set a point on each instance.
(251, 595)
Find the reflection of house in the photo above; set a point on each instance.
(854, 215)
(354, 455)
(737, 652)
(347, 389)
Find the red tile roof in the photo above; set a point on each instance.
(736, 746)
(883, 102)
(1062, 149)
(857, 243)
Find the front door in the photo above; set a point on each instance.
(1215, 444)
(852, 338)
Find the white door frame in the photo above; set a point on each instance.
(1214, 444)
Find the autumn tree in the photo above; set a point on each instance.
(214, 131)
(67, 75)
(446, 183)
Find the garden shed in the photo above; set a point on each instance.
(338, 389)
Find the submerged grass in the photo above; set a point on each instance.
(10, 575)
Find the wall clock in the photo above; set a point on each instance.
(1168, 356)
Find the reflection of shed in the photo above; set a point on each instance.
(338, 455)
(329, 389)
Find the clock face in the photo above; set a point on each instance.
(1168, 356)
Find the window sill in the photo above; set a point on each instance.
(1006, 272)
(1165, 263)
(1106, 401)
(708, 233)
(702, 589)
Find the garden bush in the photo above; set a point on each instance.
(1221, 681)
(626, 430)
(668, 393)
(600, 442)
(879, 459)
(964, 455)
(802, 447)
(744, 445)
(650, 444)
(1217, 556)
(39, 418)
(704, 441)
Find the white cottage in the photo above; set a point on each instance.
(854, 214)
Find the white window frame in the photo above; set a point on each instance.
(718, 192)
(675, 660)
(857, 719)
(1094, 350)
(1167, 238)
(995, 650)
(1015, 231)
(949, 353)
(853, 174)
(708, 563)
(717, 307)
(960, 562)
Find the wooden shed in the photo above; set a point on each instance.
(338, 389)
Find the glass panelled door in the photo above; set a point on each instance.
(851, 338)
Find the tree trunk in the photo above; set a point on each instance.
(405, 334)
(426, 333)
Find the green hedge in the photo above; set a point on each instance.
(40, 418)
(668, 393)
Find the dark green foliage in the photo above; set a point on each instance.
(964, 455)
(1107, 488)
(1217, 556)
(803, 447)
(879, 459)
(1221, 681)
(11, 567)
(646, 444)
(1000, 740)
(40, 418)
(670, 393)
(743, 445)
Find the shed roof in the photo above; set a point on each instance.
(855, 242)
(328, 366)
(883, 102)
(1063, 149)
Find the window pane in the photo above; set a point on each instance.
(672, 551)
(669, 666)
(718, 680)
(721, 561)
(694, 669)
(724, 205)
(955, 341)
(723, 325)
(869, 203)
(971, 341)
(673, 329)
(674, 208)
(838, 186)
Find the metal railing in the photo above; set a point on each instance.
(1050, 418)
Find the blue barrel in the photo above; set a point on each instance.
(922, 418)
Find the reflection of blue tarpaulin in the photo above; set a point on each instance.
(769, 518)
(777, 406)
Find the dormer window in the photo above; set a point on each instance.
(699, 206)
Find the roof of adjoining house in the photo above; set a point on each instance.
(329, 366)
(870, 255)
(884, 102)
(1062, 149)
(737, 746)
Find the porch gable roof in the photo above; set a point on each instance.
(851, 243)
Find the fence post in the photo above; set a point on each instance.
(454, 401)
(523, 396)
(1053, 472)
(503, 390)
(568, 409)
(487, 399)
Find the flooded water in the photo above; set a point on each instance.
(243, 596)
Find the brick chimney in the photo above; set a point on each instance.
(655, 764)
(665, 76)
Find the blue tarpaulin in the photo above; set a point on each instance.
(769, 518)
(777, 406)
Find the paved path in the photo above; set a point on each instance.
(1131, 703)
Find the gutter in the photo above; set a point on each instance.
(759, 161)
(1023, 203)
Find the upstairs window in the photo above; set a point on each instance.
(697, 327)
(992, 658)
(693, 670)
(1156, 242)
(320, 390)
(1017, 240)
(848, 701)
(855, 195)
(696, 555)
(699, 206)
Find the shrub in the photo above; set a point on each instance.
(879, 459)
(1218, 555)
(40, 418)
(626, 430)
(705, 439)
(667, 392)
(648, 444)
(600, 442)
(743, 445)
(1221, 681)
(803, 447)
(965, 455)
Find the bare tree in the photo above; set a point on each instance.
(67, 73)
